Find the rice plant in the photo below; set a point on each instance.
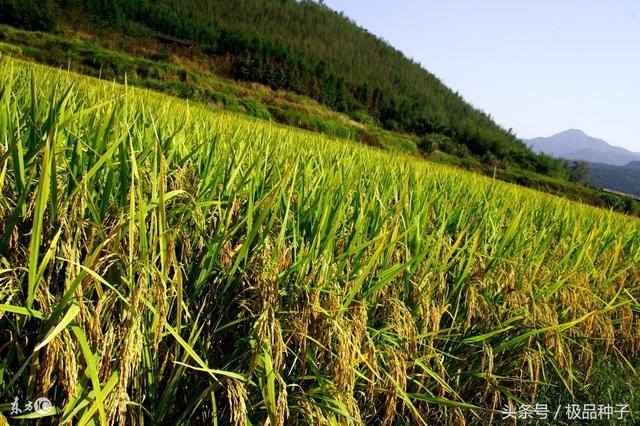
(161, 263)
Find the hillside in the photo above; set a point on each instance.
(620, 178)
(229, 64)
(163, 263)
(298, 46)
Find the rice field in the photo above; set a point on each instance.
(164, 263)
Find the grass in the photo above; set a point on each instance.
(164, 71)
(161, 263)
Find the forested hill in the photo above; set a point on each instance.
(279, 41)
(309, 49)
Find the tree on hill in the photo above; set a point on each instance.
(38, 15)
(579, 171)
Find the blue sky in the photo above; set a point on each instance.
(539, 67)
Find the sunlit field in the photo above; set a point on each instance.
(164, 263)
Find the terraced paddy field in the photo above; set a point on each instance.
(161, 263)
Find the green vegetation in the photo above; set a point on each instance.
(36, 15)
(164, 263)
(166, 71)
(159, 74)
(620, 178)
(314, 52)
(347, 68)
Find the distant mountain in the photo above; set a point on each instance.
(634, 164)
(574, 144)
